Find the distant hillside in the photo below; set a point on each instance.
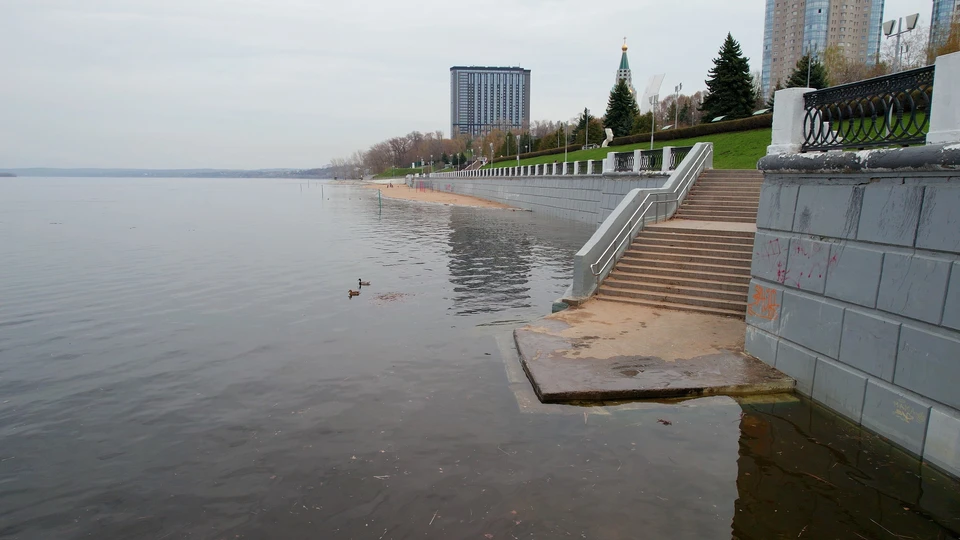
(6, 175)
(325, 172)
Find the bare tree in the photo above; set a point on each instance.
(399, 146)
(914, 49)
(842, 70)
(952, 43)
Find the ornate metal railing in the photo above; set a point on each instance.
(597, 166)
(885, 111)
(581, 167)
(677, 155)
(651, 160)
(623, 162)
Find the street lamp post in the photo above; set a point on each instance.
(564, 142)
(586, 127)
(491, 152)
(888, 31)
(654, 99)
(676, 105)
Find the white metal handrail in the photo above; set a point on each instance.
(639, 216)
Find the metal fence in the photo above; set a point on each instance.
(677, 155)
(884, 111)
(651, 160)
(581, 167)
(623, 162)
(597, 166)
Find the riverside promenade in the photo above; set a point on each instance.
(607, 351)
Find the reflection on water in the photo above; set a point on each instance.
(179, 359)
(495, 258)
(804, 471)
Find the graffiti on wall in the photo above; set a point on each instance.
(764, 305)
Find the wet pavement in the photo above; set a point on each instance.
(605, 350)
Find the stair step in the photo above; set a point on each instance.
(674, 307)
(708, 215)
(687, 258)
(681, 238)
(721, 282)
(678, 250)
(721, 200)
(727, 182)
(690, 242)
(670, 289)
(680, 299)
(749, 173)
(726, 190)
(699, 232)
(706, 205)
(738, 276)
(718, 218)
(731, 267)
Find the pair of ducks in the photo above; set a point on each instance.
(360, 283)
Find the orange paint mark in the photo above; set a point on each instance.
(764, 304)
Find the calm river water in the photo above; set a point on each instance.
(179, 359)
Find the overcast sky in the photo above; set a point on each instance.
(293, 83)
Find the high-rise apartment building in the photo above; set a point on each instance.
(486, 98)
(794, 27)
(944, 12)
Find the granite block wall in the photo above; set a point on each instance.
(588, 199)
(856, 294)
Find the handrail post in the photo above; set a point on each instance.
(667, 156)
(945, 110)
(610, 164)
(788, 113)
(636, 160)
(589, 166)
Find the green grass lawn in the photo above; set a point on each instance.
(401, 172)
(737, 150)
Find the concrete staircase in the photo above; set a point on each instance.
(700, 260)
(723, 195)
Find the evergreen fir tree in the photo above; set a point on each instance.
(622, 110)
(729, 88)
(588, 126)
(773, 92)
(444, 158)
(818, 74)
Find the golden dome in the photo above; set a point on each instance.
(624, 48)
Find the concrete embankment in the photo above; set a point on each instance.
(855, 289)
(588, 199)
(604, 351)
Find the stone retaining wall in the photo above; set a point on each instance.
(588, 199)
(856, 289)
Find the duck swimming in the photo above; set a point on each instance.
(351, 293)
(362, 282)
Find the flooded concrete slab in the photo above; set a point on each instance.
(604, 351)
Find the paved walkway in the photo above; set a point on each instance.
(605, 351)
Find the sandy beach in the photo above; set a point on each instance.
(401, 191)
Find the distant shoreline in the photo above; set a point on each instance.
(7, 175)
(313, 174)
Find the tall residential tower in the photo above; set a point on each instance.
(944, 13)
(794, 27)
(486, 98)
